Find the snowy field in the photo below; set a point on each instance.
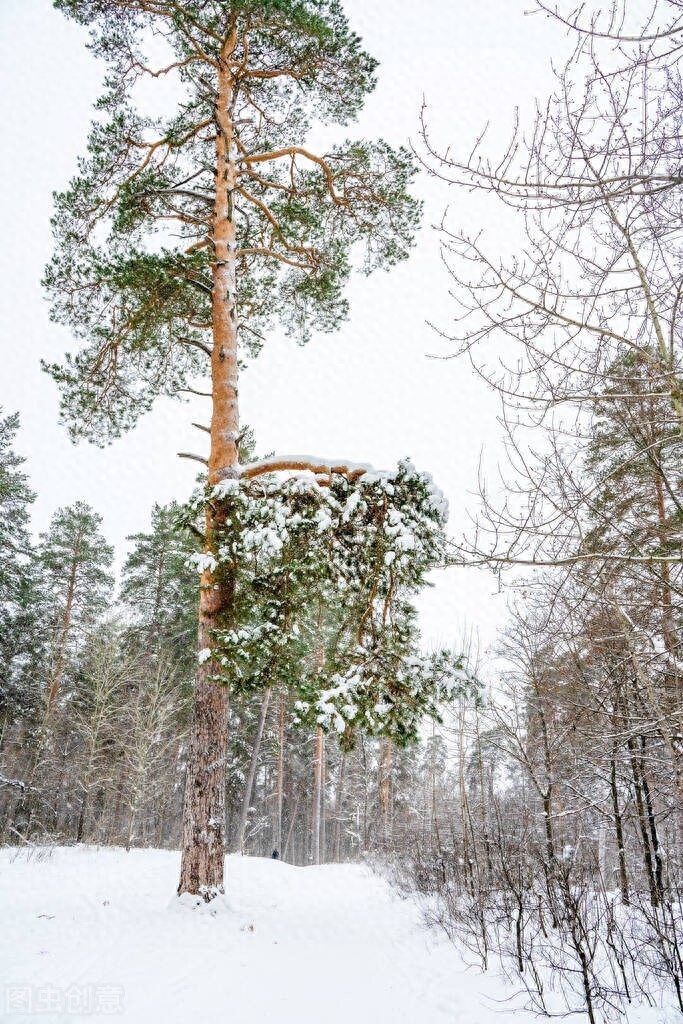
(98, 933)
(89, 934)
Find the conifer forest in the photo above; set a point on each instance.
(409, 719)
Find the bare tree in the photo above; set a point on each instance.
(585, 316)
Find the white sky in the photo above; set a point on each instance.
(369, 392)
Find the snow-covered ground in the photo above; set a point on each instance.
(98, 933)
(91, 933)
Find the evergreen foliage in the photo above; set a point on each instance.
(131, 274)
(323, 579)
(159, 589)
(20, 635)
(75, 567)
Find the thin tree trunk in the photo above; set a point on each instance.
(654, 838)
(462, 792)
(618, 826)
(291, 825)
(323, 814)
(132, 815)
(161, 820)
(317, 795)
(385, 785)
(253, 764)
(118, 801)
(64, 635)
(203, 840)
(280, 774)
(483, 799)
(339, 795)
(642, 821)
(80, 828)
(674, 680)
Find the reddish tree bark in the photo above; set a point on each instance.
(203, 840)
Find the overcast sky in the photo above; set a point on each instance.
(369, 393)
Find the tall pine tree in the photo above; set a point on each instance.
(183, 238)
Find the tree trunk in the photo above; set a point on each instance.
(249, 785)
(642, 821)
(338, 803)
(618, 826)
(674, 680)
(385, 785)
(652, 825)
(280, 774)
(55, 682)
(317, 795)
(203, 841)
(323, 809)
(117, 824)
(292, 824)
(132, 816)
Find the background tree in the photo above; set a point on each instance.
(97, 707)
(569, 776)
(75, 563)
(592, 309)
(159, 588)
(19, 627)
(590, 302)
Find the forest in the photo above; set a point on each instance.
(254, 681)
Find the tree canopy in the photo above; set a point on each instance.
(135, 231)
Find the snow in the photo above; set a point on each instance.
(98, 933)
(200, 562)
(316, 464)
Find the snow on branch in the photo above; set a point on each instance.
(318, 466)
(319, 472)
(4, 781)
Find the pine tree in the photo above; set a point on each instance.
(75, 563)
(159, 588)
(20, 642)
(266, 229)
